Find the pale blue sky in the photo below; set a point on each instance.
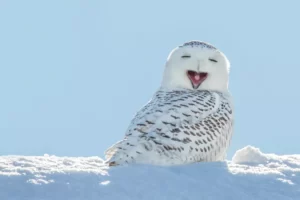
(73, 73)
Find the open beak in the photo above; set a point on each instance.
(196, 78)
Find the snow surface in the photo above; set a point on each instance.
(250, 175)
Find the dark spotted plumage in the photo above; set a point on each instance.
(177, 127)
(199, 44)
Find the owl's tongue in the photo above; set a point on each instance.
(196, 78)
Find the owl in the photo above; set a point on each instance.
(189, 119)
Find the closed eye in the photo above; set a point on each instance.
(185, 56)
(212, 60)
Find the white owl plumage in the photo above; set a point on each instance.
(189, 119)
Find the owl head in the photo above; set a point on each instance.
(197, 66)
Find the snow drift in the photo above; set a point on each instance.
(250, 175)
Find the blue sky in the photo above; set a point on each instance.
(73, 73)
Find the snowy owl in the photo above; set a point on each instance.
(189, 119)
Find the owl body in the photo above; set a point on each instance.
(177, 127)
(189, 119)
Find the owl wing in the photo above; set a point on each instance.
(178, 126)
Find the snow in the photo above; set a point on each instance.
(250, 175)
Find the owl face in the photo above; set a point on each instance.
(197, 66)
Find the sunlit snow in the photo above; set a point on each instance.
(250, 175)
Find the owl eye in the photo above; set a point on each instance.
(185, 56)
(212, 60)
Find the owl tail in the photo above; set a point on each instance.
(124, 152)
(111, 153)
(120, 153)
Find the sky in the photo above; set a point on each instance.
(74, 73)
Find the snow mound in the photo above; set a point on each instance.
(250, 175)
(249, 154)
